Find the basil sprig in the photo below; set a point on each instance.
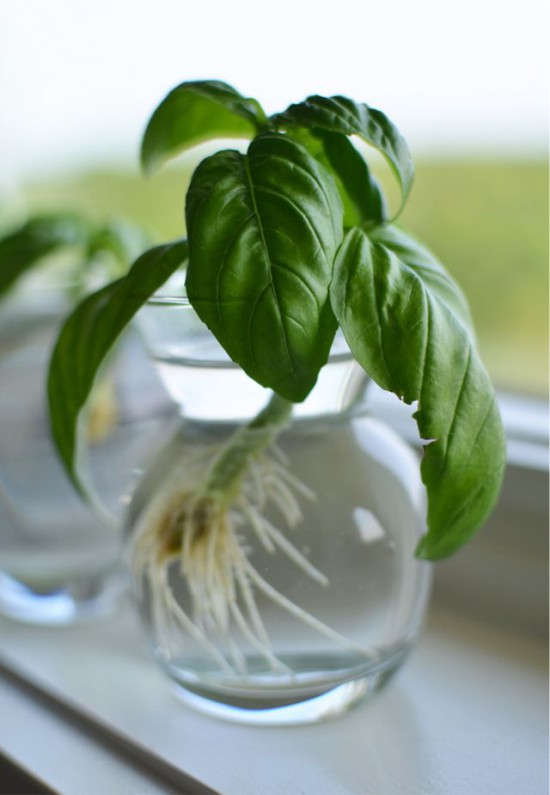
(288, 241)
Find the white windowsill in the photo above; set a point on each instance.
(466, 715)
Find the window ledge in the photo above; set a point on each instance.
(466, 713)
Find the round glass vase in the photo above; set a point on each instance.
(300, 595)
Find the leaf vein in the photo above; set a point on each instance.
(309, 174)
(320, 245)
(268, 261)
(298, 277)
(450, 432)
(225, 260)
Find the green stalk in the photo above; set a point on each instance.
(226, 474)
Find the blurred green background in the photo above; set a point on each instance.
(487, 221)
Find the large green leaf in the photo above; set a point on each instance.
(263, 232)
(342, 115)
(405, 323)
(195, 112)
(86, 337)
(26, 246)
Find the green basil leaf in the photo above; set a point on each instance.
(26, 246)
(359, 191)
(342, 115)
(263, 232)
(195, 112)
(429, 269)
(86, 337)
(398, 311)
(365, 199)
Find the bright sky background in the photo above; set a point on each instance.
(79, 78)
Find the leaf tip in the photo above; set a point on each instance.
(432, 549)
(422, 551)
(150, 163)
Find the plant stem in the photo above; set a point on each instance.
(225, 476)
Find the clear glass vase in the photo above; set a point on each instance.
(307, 595)
(59, 563)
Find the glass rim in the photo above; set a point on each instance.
(184, 302)
(169, 300)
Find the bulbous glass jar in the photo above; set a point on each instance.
(305, 595)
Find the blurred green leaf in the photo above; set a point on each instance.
(26, 246)
(195, 112)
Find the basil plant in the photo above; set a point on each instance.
(286, 243)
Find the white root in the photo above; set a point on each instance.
(198, 532)
(257, 644)
(295, 555)
(297, 611)
(175, 611)
(285, 474)
(258, 525)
